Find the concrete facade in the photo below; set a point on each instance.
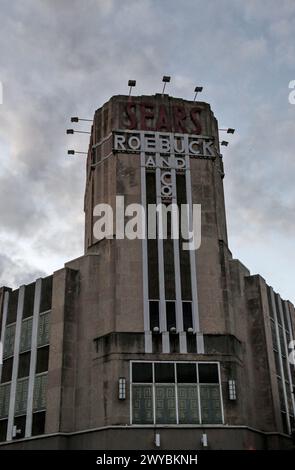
(99, 311)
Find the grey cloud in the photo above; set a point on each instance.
(17, 272)
(62, 58)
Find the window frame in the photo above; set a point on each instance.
(153, 384)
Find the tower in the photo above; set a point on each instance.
(162, 150)
(149, 334)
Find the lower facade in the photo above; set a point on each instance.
(169, 438)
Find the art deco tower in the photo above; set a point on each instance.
(142, 336)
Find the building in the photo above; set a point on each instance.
(139, 342)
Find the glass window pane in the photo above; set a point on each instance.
(9, 341)
(210, 404)
(165, 404)
(154, 314)
(188, 409)
(186, 373)
(282, 342)
(289, 398)
(164, 372)
(46, 294)
(285, 367)
(7, 370)
(142, 372)
(26, 335)
(42, 359)
(38, 425)
(277, 361)
(20, 423)
(208, 373)
(274, 335)
(142, 404)
(187, 315)
(29, 301)
(24, 365)
(171, 315)
(3, 429)
(4, 400)
(12, 307)
(281, 395)
(43, 329)
(40, 392)
(21, 396)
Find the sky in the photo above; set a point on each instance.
(62, 58)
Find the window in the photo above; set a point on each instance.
(43, 329)
(164, 372)
(26, 335)
(46, 294)
(175, 393)
(42, 359)
(186, 373)
(7, 370)
(38, 426)
(3, 429)
(12, 307)
(142, 372)
(24, 365)
(20, 424)
(187, 315)
(210, 403)
(9, 341)
(29, 301)
(188, 404)
(40, 392)
(154, 314)
(4, 400)
(21, 397)
(171, 315)
(142, 404)
(208, 373)
(165, 404)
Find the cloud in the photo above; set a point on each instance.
(63, 58)
(17, 271)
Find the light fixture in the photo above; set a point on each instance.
(165, 79)
(232, 394)
(228, 130)
(157, 439)
(73, 152)
(204, 440)
(122, 388)
(72, 131)
(190, 330)
(197, 90)
(77, 119)
(172, 329)
(224, 143)
(131, 84)
(156, 329)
